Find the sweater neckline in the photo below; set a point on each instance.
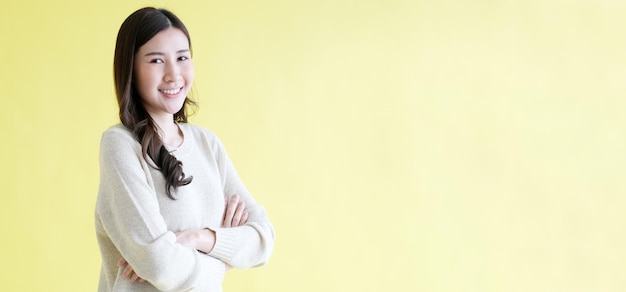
(184, 147)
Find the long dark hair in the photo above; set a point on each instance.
(137, 30)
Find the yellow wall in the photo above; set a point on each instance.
(397, 145)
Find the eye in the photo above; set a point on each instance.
(183, 58)
(157, 61)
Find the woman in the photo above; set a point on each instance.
(172, 214)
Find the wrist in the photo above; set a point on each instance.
(206, 240)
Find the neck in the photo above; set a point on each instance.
(169, 131)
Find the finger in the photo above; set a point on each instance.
(134, 277)
(226, 221)
(127, 271)
(230, 210)
(141, 280)
(225, 208)
(121, 262)
(238, 213)
(244, 218)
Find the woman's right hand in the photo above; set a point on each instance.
(128, 271)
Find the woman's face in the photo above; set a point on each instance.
(164, 73)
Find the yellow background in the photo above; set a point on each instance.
(397, 145)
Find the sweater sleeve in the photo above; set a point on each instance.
(129, 212)
(248, 245)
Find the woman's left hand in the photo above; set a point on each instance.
(235, 213)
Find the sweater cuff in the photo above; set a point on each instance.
(225, 239)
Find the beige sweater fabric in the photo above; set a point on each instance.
(136, 220)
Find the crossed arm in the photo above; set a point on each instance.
(200, 239)
(131, 226)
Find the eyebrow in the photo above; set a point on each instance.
(161, 54)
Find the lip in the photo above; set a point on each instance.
(172, 92)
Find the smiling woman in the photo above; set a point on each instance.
(396, 145)
(158, 229)
(143, 35)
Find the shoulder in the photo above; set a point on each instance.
(118, 136)
(118, 131)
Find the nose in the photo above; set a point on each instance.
(172, 72)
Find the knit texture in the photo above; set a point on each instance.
(136, 220)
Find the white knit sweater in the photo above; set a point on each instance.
(136, 220)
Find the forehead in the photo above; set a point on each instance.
(168, 40)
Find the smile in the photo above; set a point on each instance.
(171, 91)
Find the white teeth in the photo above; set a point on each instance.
(170, 91)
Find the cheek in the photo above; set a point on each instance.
(190, 77)
(143, 86)
(189, 72)
(144, 79)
